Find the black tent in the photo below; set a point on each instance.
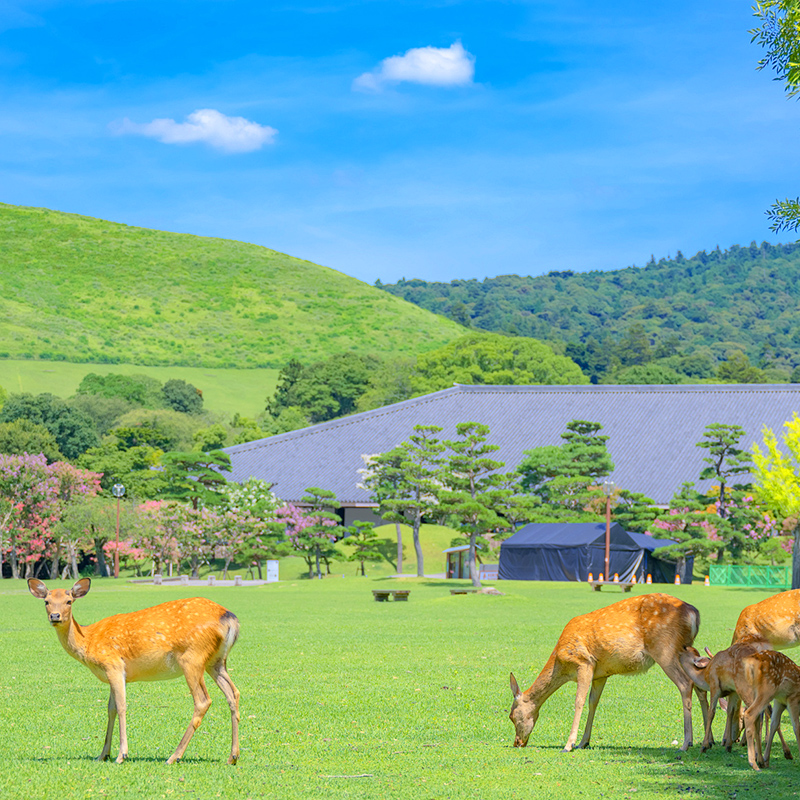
(569, 551)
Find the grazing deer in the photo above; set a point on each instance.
(182, 637)
(762, 678)
(624, 638)
(775, 620)
(718, 675)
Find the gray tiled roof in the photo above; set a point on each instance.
(653, 431)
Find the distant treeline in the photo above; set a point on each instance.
(703, 308)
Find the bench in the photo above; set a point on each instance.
(598, 585)
(382, 595)
(463, 591)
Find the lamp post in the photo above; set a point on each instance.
(117, 490)
(608, 490)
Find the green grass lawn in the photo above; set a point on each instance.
(225, 391)
(346, 697)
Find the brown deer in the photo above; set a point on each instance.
(182, 637)
(624, 638)
(717, 675)
(762, 678)
(775, 620)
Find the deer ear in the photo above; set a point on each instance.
(81, 588)
(710, 654)
(514, 687)
(701, 663)
(37, 588)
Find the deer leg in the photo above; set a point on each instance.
(598, 684)
(220, 675)
(708, 738)
(194, 678)
(675, 673)
(117, 682)
(775, 721)
(787, 754)
(752, 728)
(112, 718)
(702, 698)
(731, 735)
(584, 679)
(794, 715)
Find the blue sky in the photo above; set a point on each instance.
(439, 140)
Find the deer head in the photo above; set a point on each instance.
(58, 602)
(524, 713)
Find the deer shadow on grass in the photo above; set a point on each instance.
(713, 775)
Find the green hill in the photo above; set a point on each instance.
(79, 289)
(744, 298)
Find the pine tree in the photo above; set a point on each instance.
(362, 537)
(474, 490)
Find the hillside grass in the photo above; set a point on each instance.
(225, 391)
(79, 289)
(343, 697)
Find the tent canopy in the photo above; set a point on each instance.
(569, 551)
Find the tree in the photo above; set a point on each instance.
(195, 477)
(90, 526)
(73, 431)
(686, 521)
(473, 487)
(565, 478)
(634, 347)
(287, 378)
(33, 496)
(134, 467)
(383, 476)
(210, 438)
(725, 461)
(103, 411)
(23, 436)
(418, 488)
(137, 390)
(491, 358)
(182, 396)
(313, 530)
(738, 369)
(777, 478)
(250, 520)
(164, 428)
(158, 533)
(633, 510)
(362, 538)
(779, 35)
(324, 390)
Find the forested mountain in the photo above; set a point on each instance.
(78, 289)
(743, 298)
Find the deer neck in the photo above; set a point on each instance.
(73, 639)
(547, 682)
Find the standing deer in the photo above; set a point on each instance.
(775, 620)
(182, 637)
(762, 678)
(624, 638)
(718, 676)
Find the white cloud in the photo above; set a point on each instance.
(231, 134)
(433, 66)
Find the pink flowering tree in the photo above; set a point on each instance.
(158, 534)
(33, 498)
(197, 530)
(312, 531)
(688, 522)
(249, 528)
